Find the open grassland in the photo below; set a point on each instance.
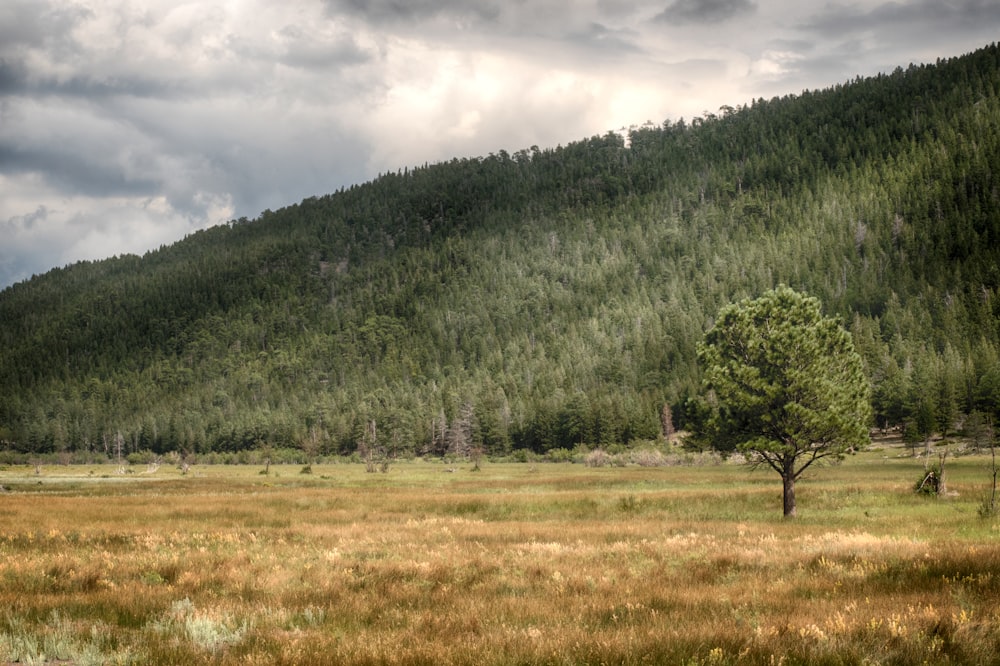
(514, 564)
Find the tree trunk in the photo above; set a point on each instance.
(788, 493)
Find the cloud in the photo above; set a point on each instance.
(303, 48)
(848, 39)
(75, 228)
(410, 12)
(38, 23)
(519, 27)
(683, 12)
(13, 76)
(608, 40)
(899, 17)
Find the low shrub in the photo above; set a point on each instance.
(598, 458)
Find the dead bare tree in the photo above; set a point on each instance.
(942, 487)
(988, 508)
(666, 422)
(933, 481)
(439, 434)
(119, 443)
(374, 456)
(459, 435)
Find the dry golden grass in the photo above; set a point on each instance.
(514, 564)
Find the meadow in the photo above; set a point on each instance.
(517, 563)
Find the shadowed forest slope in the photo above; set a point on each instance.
(545, 298)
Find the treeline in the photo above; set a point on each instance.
(542, 299)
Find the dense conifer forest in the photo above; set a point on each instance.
(540, 300)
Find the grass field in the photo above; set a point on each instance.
(513, 564)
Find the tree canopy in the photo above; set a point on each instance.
(787, 385)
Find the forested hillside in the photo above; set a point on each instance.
(545, 298)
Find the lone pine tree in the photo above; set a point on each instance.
(787, 386)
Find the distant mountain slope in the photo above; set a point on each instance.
(542, 299)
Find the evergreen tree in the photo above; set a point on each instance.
(789, 387)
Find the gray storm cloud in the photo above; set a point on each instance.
(705, 11)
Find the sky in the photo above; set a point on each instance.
(126, 125)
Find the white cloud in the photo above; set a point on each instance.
(772, 65)
(74, 228)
